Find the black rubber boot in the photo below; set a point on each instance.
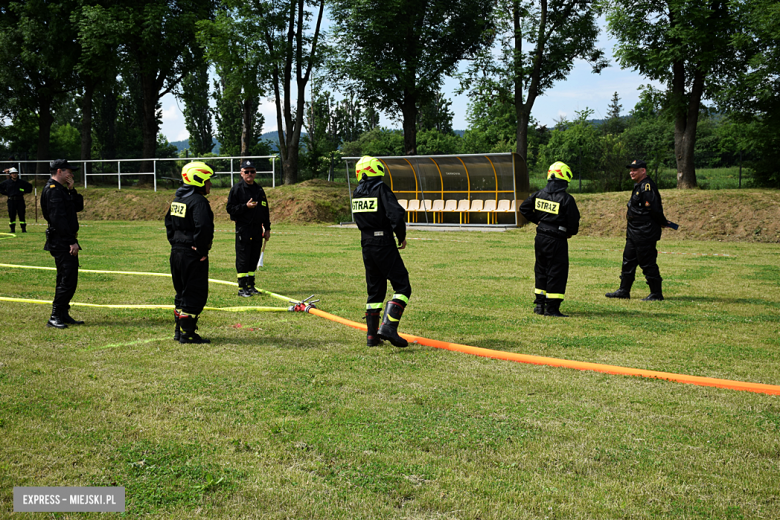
(372, 326)
(620, 293)
(176, 327)
(656, 294)
(189, 324)
(553, 308)
(388, 330)
(24, 228)
(56, 320)
(539, 304)
(13, 227)
(243, 287)
(67, 318)
(251, 286)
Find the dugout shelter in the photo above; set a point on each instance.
(456, 190)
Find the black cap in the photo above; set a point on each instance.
(248, 164)
(637, 164)
(61, 164)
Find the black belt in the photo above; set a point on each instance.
(549, 227)
(15, 198)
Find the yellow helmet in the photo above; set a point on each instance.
(196, 173)
(371, 166)
(561, 171)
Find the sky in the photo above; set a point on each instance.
(582, 89)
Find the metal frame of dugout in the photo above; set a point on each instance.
(456, 190)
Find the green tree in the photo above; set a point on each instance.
(492, 127)
(614, 123)
(649, 134)
(684, 44)
(377, 142)
(234, 43)
(99, 61)
(197, 112)
(435, 142)
(394, 53)
(157, 39)
(538, 43)
(290, 42)
(752, 95)
(38, 57)
(436, 115)
(578, 144)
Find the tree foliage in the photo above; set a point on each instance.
(536, 45)
(685, 44)
(394, 53)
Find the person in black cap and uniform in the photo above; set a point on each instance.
(378, 215)
(646, 219)
(59, 205)
(557, 219)
(248, 208)
(189, 225)
(15, 188)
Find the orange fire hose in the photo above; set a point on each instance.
(565, 363)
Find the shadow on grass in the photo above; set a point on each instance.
(717, 299)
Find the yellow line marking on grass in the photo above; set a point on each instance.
(139, 342)
(129, 306)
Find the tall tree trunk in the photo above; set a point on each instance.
(409, 113)
(685, 123)
(45, 120)
(247, 125)
(149, 126)
(86, 121)
(290, 163)
(523, 107)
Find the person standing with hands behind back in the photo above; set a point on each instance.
(189, 225)
(248, 208)
(59, 205)
(15, 188)
(557, 219)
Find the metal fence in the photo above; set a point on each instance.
(160, 166)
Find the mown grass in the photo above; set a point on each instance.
(291, 416)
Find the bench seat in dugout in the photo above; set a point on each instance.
(456, 190)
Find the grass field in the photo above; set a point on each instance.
(290, 416)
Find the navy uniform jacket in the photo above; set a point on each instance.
(190, 222)
(377, 213)
(59, 206)
(15, 188)
(645, 214)
(553, 210)
(243, 216)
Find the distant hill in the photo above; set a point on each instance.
(271, 137)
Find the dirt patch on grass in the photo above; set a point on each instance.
(729, 215)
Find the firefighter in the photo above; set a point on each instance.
(378, 215)
(15, 188)
(557, 219)
(645, 220)
(59, 205)
(189, 224)
(248, 207)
